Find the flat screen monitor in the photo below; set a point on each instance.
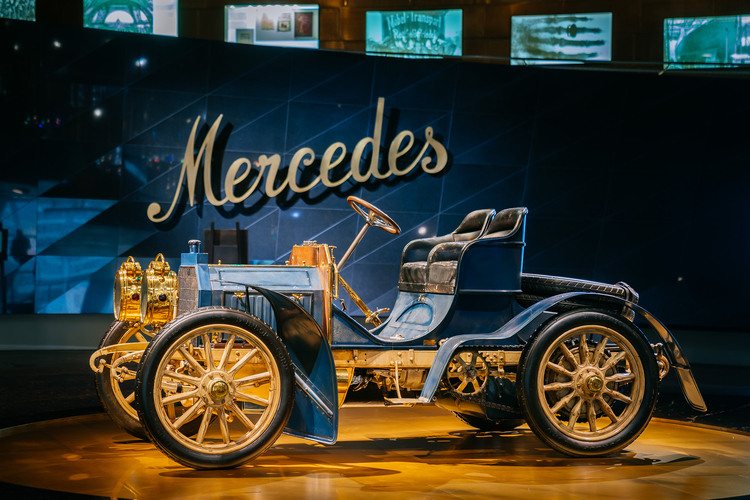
(561, 39)
(23, 10)
(277, 25)
(706, 42)
(152, 17)
(414, 33)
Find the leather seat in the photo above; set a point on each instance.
(413, 275)
(442, 263)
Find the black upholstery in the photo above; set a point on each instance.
(442, 263)
(413, 275)
(506, 223)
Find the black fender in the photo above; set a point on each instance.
(496, 339)
(315, 414)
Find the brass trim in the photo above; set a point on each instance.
(370, 316)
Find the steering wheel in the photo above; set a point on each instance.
(374, 217)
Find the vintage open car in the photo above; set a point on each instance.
(212, 364)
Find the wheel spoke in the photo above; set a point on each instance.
(462, 385)
(599, 350)
(179, 397)
(574, 413)
(253, 399)
(556, 386)
(618, 396)
(559, 369)
(227, 352)
(242, 362)
(191, 360)
(583, 349)
(208, 353)
(613, 361)
(621, 378)
(569, 355)
(564, 401)
(204, 426)
(476, 385)
(140, 337)
(182, 377)
(241, 416)
(130, 398)
(473, 363)
(188, 414)
(592, 417)
(127, 375)
(224, 425)
(253, 379)
(463, 363)
(608, 410)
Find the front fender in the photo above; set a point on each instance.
(496, 339)
(315, 414)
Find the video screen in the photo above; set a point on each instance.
(561, 39)
(152, 17)
(706, 42)
(23, 10)
(277, 25)
(414, 33)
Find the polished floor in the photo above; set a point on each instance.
(381, 453)
(55, 444)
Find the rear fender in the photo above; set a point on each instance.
(315, 414)
(498, 338)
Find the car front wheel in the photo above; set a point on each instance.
(230, 372)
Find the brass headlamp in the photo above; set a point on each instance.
(158, 293)
(127, 291)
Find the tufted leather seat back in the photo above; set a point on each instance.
(472, 225)
(505, 223)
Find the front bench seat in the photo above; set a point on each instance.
(442, 263)
(413, 271)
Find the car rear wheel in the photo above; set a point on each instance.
(115, 388)
(222, 365)
(587, 383)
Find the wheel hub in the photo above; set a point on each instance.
(594, 383)
(219, 389)
(216, 388)
(589, 382)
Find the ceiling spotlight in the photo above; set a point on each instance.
(142, 62)
(97, 112)
(57, 44)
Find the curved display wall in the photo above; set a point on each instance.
(627, 177)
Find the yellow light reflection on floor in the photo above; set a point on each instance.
(383, 453)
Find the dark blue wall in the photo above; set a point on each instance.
(640, 178)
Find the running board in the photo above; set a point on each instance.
(408, 402)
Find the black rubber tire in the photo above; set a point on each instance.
(104, 389)
(536, 287)
(160, 346)
(531, 402)
(485, 424)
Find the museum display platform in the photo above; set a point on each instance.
(381, 453)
